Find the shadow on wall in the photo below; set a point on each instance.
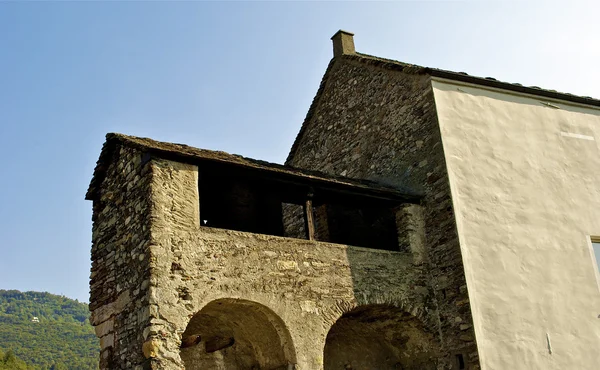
(385, 326)
(237, 334)
(389, 326)
(379, 337)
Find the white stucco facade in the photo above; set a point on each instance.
(525, 179)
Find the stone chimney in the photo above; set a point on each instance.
(343, 43)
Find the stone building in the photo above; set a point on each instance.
(424, 219)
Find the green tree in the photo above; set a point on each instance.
(9, 361)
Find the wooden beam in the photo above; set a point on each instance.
(309, 221)
(190, 341)
(218, 343)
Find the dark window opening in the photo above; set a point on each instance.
(370, 226)
(245, 200)
(236, 203)
(460, 361)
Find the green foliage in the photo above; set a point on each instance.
(62, 339)
(8, 361)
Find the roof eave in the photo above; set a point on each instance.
(488, 82)
(310, 178)
(463, 77)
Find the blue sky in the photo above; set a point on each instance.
(231, 76)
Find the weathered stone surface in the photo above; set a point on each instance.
(120, 234)
(107, 341)
(160, 279)
(104, 328)
(410, 223)
(375, 122)
(302, 287)
(168, 293)
(150, 348)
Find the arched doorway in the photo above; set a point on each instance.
(379, 337)
(230, 334)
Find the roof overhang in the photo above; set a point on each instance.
(302, 180)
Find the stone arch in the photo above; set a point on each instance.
(230, 334)
(380, 337)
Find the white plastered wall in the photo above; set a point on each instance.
(525, 181)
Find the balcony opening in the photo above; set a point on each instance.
(243, 199)
(369, 225)
(237, 203)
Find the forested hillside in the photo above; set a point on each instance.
(9, 361)
(46, 331)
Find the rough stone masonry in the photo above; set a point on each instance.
(204, 260)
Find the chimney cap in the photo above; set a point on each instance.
(343, 43)
(342, 31)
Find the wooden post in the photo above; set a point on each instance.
(309, 222)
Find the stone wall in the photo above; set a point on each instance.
(175, 209)
(158, 275)
(308, 285)
(119, 276)
(372, 121)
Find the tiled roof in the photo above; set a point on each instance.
(188, 154)
(485, 81)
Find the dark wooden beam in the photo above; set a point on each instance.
(190, 341)
(309, 221)
(218, 343)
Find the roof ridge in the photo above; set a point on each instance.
(486, 81)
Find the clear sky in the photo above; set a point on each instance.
(231, 76)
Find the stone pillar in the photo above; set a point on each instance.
(410, 222)
(175, 210)
(175, 196)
